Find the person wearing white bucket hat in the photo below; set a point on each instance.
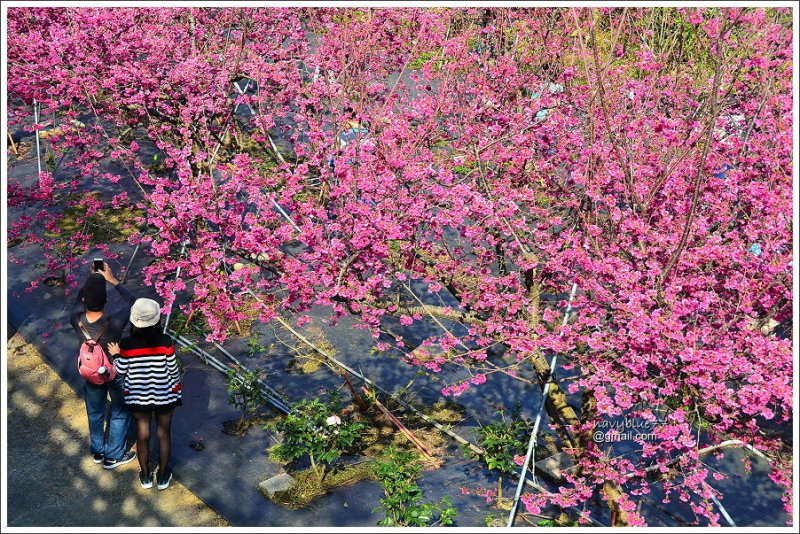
(145, 312)
(152, 386)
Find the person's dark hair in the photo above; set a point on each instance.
(93, 292)
(350, 112)
(148, 333)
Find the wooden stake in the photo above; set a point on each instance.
(188, 319)
(13, 144)
(362, 406)
(417, 443)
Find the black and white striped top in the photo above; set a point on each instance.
(150, 371)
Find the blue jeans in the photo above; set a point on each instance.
(119, 419)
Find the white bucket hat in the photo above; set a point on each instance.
(145, 312)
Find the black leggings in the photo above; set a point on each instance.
(163, 423)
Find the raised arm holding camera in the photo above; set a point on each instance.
(89, 320)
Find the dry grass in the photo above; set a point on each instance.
(308, 487)
(446, 413)
(107, 225)
(382, 433)
(240, 427)
(307, 360)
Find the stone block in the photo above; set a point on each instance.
(554, 466)
(273, 485)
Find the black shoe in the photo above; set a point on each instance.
(146, 480)
(108, 463)
(98, 458)
(163, 481)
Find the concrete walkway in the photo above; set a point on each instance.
(51, 479)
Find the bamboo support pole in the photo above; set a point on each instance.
(38, 145)
(390, 416)
(14, 148)
(530, 456)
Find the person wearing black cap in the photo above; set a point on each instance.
(89, 314)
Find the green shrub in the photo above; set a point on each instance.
(254, 346)
(402, 502)
(320, 430)
(244, 392)
(502, 441)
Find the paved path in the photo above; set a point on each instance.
(51, 479)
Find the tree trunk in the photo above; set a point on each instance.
(612, 491)
(564, 417)
(561, 413)
(500, 492)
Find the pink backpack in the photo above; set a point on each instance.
(93, 364)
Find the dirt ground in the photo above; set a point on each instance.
(51, 478)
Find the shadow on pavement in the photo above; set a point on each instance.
(51, 479)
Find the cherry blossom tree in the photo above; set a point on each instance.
(504, 155)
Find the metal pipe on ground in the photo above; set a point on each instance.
(261, 382)
(269, 394)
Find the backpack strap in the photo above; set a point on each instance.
(99, 334)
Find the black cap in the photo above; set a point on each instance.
(94, 292)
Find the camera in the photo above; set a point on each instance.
(98, 264)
